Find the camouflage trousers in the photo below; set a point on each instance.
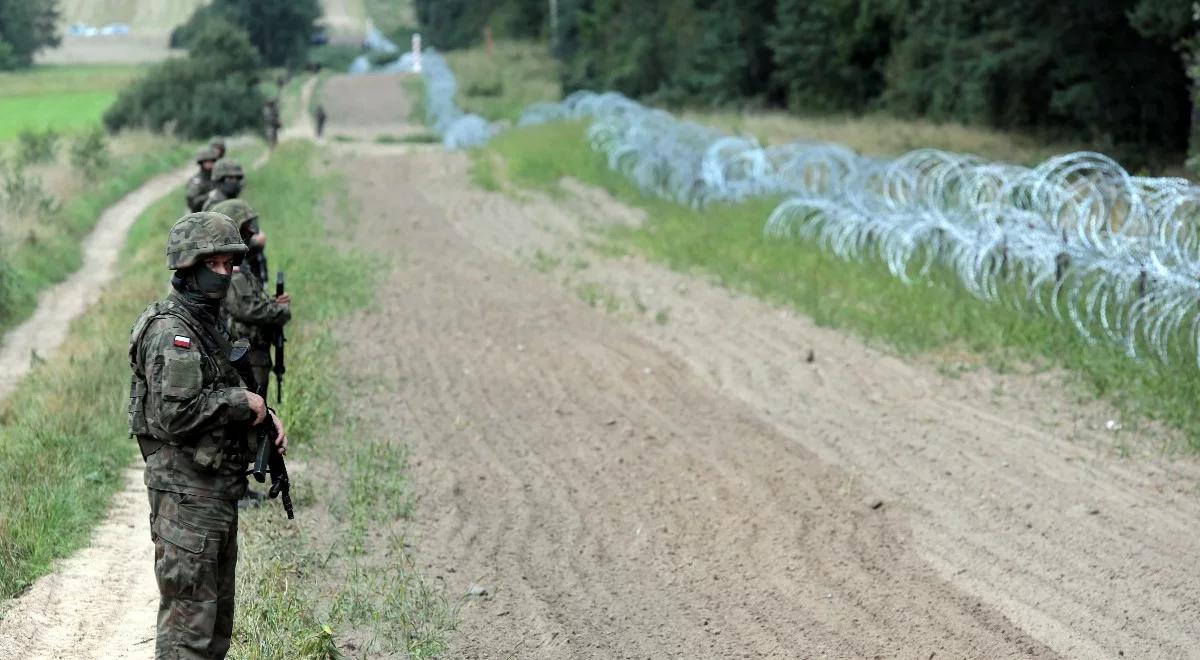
(195, 557)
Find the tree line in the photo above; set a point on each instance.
(1117, 73)
(26, 27)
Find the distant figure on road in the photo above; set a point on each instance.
(320, 116)
(201, 183)
(271, 122)
(227, 177)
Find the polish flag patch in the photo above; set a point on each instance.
(183, 342)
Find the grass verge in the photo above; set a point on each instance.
(936, 317)
(501, 84)
(338, 579)
(47, 252)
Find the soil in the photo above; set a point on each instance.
(626, 486)
(679, 470)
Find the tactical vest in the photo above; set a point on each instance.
(212, 450)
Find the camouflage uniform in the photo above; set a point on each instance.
(201, 183)
(218, 144)
(190, 413)
(249, 311)
(226, 168)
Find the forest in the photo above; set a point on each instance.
(1116, 73)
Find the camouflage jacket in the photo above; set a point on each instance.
(198, 188)
(187, 405)
(214, 197)
(252, 314)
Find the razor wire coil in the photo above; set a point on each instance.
(1116, 257)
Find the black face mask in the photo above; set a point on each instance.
(209, 283)
(231, 186)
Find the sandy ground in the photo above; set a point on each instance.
(46, 330)
(367, 106)
(697, 488)
(700, 474)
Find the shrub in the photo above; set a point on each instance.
(89, 151)
(211, 92)
(37, 146)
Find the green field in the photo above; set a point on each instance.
(64, 98)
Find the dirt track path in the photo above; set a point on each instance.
(57, 306)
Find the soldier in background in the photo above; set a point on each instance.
(320, 117)
(271, 121)
(227, 178)
(249, 311)
(218, 145)
(201, 183)
(193, 419)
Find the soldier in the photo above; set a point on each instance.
(192, 417)
(271, 121)
(199, 185)
(249, 311)
(218, 144)
(227, 178)
(320, 116)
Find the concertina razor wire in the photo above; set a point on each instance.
(1115, 256)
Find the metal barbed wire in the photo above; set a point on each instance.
(456, 128)
(1116, 257)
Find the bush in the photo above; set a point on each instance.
(90, 150)
(211, 92)
(37, 146)
(22, 195)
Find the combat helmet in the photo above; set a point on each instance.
(237, 210)
(199, 235)
(217, 143)
(206, 153)
(227, 167)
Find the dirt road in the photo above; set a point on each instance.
(675, 477)
(57, 306)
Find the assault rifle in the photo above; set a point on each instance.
(280, 367)
(269, 460)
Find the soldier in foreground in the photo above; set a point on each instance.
(251, 313)
(193, 419)
(227, 177)
(201, 183)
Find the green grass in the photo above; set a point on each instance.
(64, 98)
(500, 85)
(935, 318)
(46, 253)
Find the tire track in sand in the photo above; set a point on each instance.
(613, 503)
